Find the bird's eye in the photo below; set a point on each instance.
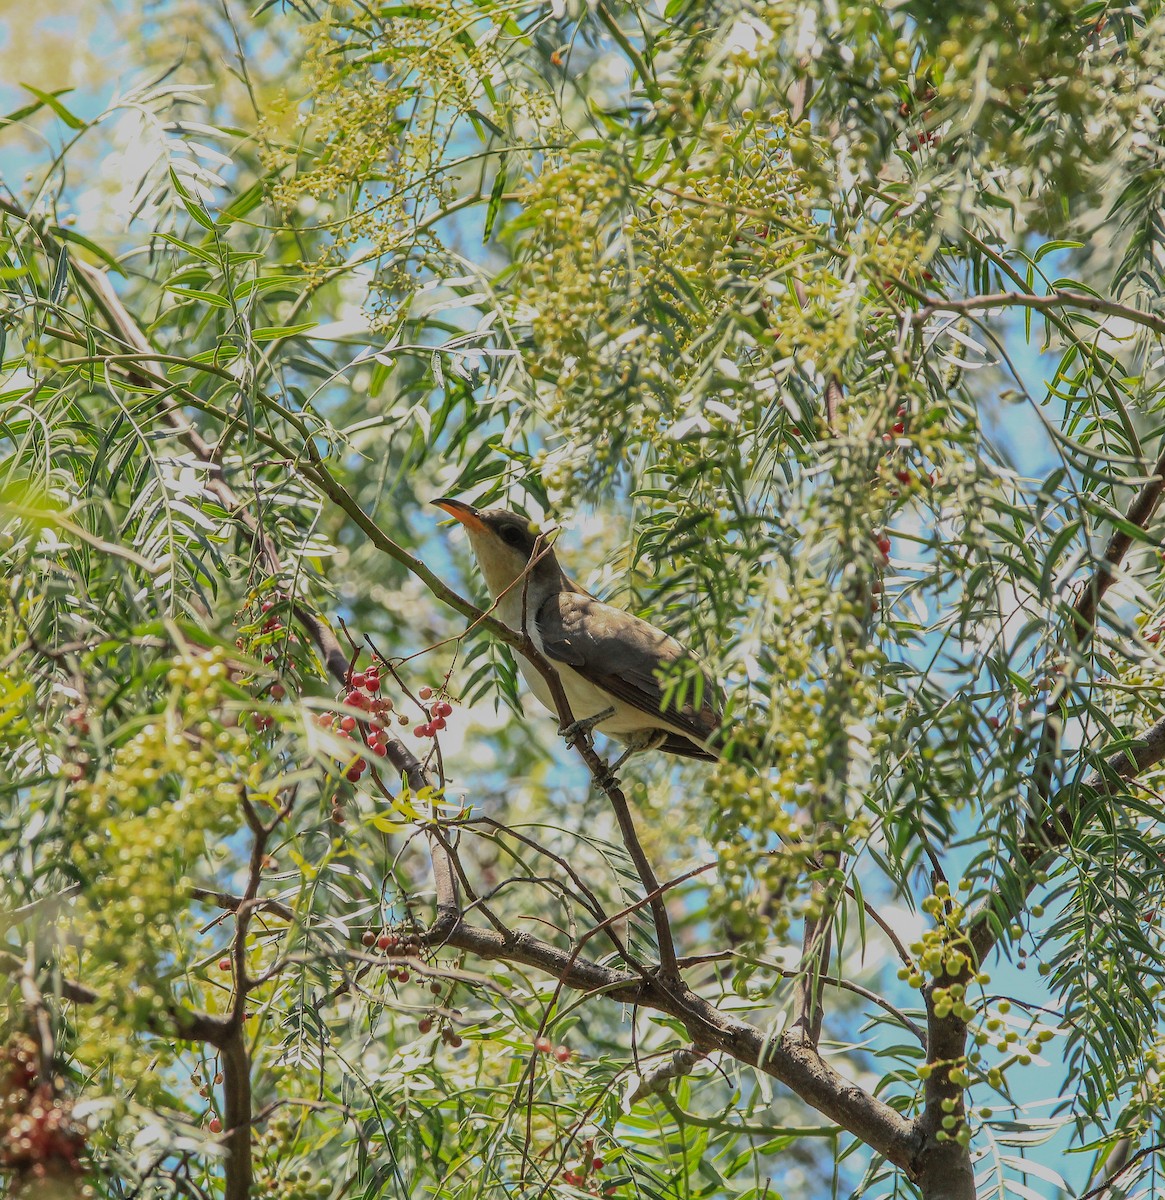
(512, 538)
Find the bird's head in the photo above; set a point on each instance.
(503, 542)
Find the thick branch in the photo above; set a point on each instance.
(786, 1058)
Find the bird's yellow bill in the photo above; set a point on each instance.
(465, 513)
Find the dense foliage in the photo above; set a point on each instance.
(831, 336)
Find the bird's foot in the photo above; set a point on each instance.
(647, 740)
(584, 726)
(609, 778)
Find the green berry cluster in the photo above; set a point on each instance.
(943, 953)
(169, 792)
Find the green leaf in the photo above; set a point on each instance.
(1058, 244)
(50, 99)
(495, 199)
(60, 277)
(276, 332)
(79, 239)
(211, 298)
(192, 205)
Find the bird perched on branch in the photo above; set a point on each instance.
(620, 675)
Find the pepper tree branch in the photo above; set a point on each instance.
(786, 1057)
(1047, 831)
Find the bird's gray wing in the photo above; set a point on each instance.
(629, 659)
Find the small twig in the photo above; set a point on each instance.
(880, 921)
(680, 1062)
(234, 903)
(1099, 1190)
(41, 1019)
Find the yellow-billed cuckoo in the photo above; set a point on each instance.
(619, 674)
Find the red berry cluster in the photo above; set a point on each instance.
(77, 766)
(438, 713)
(363, 694)
(262, 626)
(450, 1037)
(922, 137)
(263, 630)
(545, 1046)
(582, 1174)
(394, 945)
(212, 1121)
(37, 1131)
(901, 473)
(271, 621)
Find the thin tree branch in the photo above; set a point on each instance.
(1156, 1148)
(1051, 300)
(188, 1025)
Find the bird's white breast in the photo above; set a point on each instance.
(585, 699)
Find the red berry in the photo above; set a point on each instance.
(368, 938)
(385, 941)
(425, 693)
(357, 680)
(372, 683)
(887, 438)
(884, 545)
(214, 1125)
(571, 1178)
(356, 699)
(338, 815)
(278, 691)
(543, 1045)
(352, 774)
(597, 1165)
(903, 476)
(900, 427)
(383, 705)
(437, 723)
(347, 724)
(224, 964)
(443, 708)
(402, 976)
(424, 1025)
(455, 1041)
(421, 731)
(562, 1054)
